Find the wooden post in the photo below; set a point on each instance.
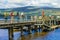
(21, 30)
(39, 27)
(26, 17)
(10, 32)
(36, 28)
(29, 29)
(54, 22)
(50, 22)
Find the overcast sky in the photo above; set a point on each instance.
(22, 3)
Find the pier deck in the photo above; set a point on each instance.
(10, 25)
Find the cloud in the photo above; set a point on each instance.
(8, 5)
(22, 3)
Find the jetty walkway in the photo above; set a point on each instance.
(21, 24)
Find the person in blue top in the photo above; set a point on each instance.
(18, 16)
(5, 16)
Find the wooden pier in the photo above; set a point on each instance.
(15, 25)
(29, 24)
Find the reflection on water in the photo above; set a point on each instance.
(3, 34)
(52, 35)
(36, 35)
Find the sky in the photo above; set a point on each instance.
(22, 3)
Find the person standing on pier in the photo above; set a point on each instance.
(43, 16)
(18, 16)
(12, 16)
(43, 13)
(5, 16)
(22, 16)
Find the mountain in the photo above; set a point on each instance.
(34, 10)
(29, 8)
(25, 9)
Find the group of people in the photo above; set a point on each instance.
(12, 16)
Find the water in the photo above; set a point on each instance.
(52, 35)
